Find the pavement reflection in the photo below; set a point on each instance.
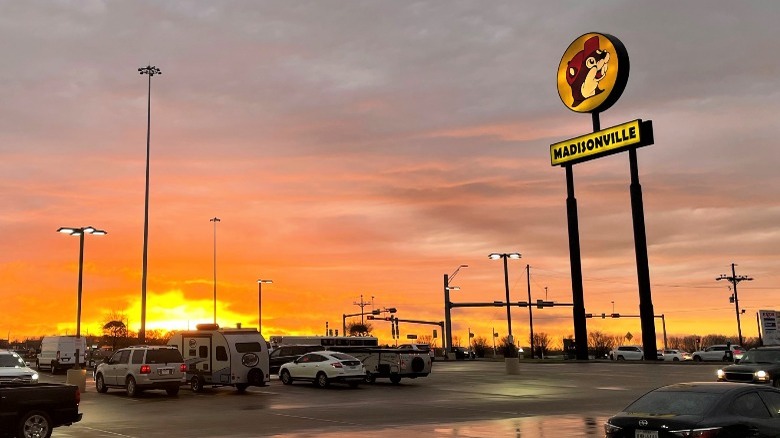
(547, 426)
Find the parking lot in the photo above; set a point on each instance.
(462, 398)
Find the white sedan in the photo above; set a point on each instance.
(322, 368)
(674, 355)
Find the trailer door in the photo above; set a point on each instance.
(197, 354)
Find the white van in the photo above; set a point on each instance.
(59, 353)
(223, 357)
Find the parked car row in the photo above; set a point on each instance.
(718, 353)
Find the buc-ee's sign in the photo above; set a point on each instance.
(592, 75)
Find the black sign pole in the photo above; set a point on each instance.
(646, 312)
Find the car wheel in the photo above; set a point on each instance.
(132, 388)
(196, 384)
(621, 358)
(35, 424)
(286, 377)
(370, 378)
(697, 358)
(255, 377)
(100, 384)
(395, 378)
(173, 391)
(642, 357)
(322, 380)
(676, 359)
(241, 387)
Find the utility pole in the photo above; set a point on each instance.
(734, 279)
(530, 312)
(363, 304)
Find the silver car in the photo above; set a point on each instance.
(142, 367)
(13, 369)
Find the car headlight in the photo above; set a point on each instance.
(721, 374)
(611, 428)
(762, 375)
(35, 377)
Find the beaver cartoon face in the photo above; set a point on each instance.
(585, 70)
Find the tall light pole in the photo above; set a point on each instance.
(447, 315)
(505, 256)
(81, 231)
(260, 303)
(151, 71)
(215, 220)
(734, 279)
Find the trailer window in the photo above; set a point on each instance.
(248, 347)
(221, 353)
(203, 351)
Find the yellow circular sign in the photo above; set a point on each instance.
(593, 73)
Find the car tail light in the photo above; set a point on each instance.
(697, 433)
(183, 368)
(58, 356)
(146, 369)
(78, 396)
(337, 365)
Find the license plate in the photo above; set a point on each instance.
(645, 434)
(164, 371)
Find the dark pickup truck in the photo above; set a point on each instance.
(33, 410)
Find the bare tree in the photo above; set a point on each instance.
(480, 345)
(541, 342)
(358, 329)
(601, 343)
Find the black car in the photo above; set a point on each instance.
(462, 353)
(700, 409)
(758, 365)
(288, 353)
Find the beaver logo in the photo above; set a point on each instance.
(585, 70)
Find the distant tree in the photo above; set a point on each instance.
(158, 336)
(506, 348)
(114, 332)
(601, 343)
(358, 329)
(540, 342)
(456, 340)
(480, 345)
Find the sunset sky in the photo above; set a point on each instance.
(370, 147)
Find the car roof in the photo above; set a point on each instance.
(714, 387)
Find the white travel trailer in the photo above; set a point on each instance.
(223, 356)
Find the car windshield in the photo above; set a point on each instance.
(673, 402)
(761, 356)
(11, 361)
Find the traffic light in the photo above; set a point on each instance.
(375, 312)
(588, 315)
(542, 303)
(370, 317)
(435, 334)
(615, 315)
(392, 328)
(390, 309)
(603, 315)
(397, 330)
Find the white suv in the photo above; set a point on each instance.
(718, 353)
(627, 352)
(142, 367)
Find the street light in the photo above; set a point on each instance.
(505, 256)
(215, 220)
(80, 232)
(734, 279)
(447, 315)
(151, 71)
(260, 303)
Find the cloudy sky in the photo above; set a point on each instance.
(370, 147)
